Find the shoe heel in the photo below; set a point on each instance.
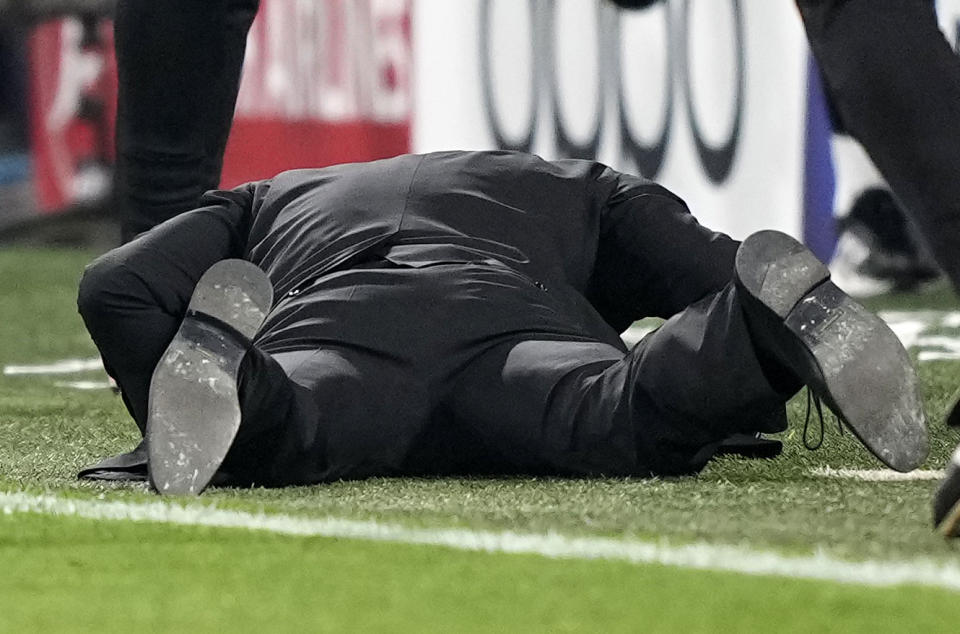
(777, 270)
(234, 292)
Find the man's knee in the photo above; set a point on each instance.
(106, 287)
(96, 286)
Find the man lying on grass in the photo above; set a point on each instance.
(458, 313)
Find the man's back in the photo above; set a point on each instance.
(523, 211)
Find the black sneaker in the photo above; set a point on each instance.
(877, 250)
(946, 501)
(846, 354)
(953, 418)
(194, 408)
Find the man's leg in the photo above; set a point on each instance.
(583, 408)
(133, 298)
(333, 412)
(178, 64)
(194, 407)
(179, 368)
(290, 418)
(638, 273)
(718, 367)
(654, 259)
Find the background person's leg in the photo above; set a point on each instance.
(178, 65)
(895, 83)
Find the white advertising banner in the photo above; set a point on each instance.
(706, 97)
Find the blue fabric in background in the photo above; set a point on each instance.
(14, 168)
(819, 227)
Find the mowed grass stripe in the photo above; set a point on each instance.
(701, 556)
(64, 574)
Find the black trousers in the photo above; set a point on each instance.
(178, 67)
(459, 367)
(895, 84)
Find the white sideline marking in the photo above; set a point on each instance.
(85, 385)
(700, 556)
(877, 475)
(910, 327)
(67, 366)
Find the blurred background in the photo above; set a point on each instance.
(716, 99)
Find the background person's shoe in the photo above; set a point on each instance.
(953, 418)
(194, 408)
(946, 501)
(845, 353)
(877, 249)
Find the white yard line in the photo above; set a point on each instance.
(908, 325)
(877, 475)
(84, 385)
(701, 556)
(66, 366)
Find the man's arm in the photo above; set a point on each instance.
(653, 257)
(171, 257)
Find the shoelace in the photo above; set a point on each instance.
(806, 422)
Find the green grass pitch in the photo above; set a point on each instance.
(73, 574)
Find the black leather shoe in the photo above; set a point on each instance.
(750, 446)
(953, 418)
(846, 354)
(125, 467)
(946, 501)
(194, 408)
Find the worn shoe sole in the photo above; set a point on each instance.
(194, 407)
(848, 355)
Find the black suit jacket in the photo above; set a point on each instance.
(542, 218)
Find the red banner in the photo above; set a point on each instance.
(73, 90)
(324, 82)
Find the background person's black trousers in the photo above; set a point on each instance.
(178, 66)
(895, 83)
(458, 367)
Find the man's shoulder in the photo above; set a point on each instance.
(444, 165)
(349, 168)
(512, 159)
(516, 164)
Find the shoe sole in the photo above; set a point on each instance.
(848, 355)
(194, 407)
